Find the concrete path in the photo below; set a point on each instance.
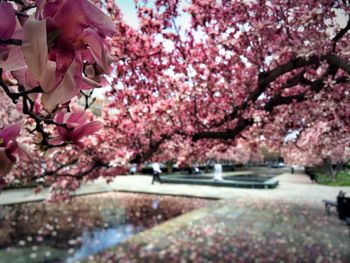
(286, 224)
(295, 188)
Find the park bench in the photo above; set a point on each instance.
(343, 207)
(347, 221)
(329, 204)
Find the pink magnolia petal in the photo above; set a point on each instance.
(64, 92)
(23, 153)
(71, 19)
(89, 84)
(15, 59)
(48, 80)
(35, 48)
(8, 20)
(98, 19)
(64, 52)
(86, 129)
(4, 52)
(51, 8)
(11, 149)
(5, 163)
(80, 144)
(56, 141)
(79, 117)
(40, 4)
(30, 81)
(76, 15)
(25, 78)
(90, 71)
(10, 133)
(79, 69)
(59, 118)
(95, 42)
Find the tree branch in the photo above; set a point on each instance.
(144, 156)
(338, 62)
(98, 164)
(15, 42)
(340, 34)
(228, 134)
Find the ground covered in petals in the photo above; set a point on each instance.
(69, 232)
(240, 231)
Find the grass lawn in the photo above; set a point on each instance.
(343, 179)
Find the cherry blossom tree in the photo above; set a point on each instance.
(242, 73)
(320, 145)
(249, 70)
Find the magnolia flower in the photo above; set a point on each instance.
(8, 147)
(57, 40)
(7, 26)
(11, 57)
(78, 126)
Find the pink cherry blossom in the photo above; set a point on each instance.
(8, 147)
(78, 125)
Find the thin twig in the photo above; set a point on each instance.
(16, 42)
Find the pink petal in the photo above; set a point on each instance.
(59, 118)
(65, 52)
(76, 15)
(57, 141)
(90, 71)
(10, 133)
(86, 129)
(51, 8)
(71, 19)
(79, 117)
(4, 52)
(64, 92)
(15, 59)
(25, 78)
(95, 42)
(5, 163)
(89, 84)
(7, 20)
(98, 19)
(10, 149)
(23, 153)
(40, 4)
(48, 80)
(35, 48)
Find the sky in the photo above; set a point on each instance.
(129, 12)
(130, 16)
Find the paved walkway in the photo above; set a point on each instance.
(241, 230)
(286, 224)
(292, 187)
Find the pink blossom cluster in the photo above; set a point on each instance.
(50, 51)
(64, 48)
